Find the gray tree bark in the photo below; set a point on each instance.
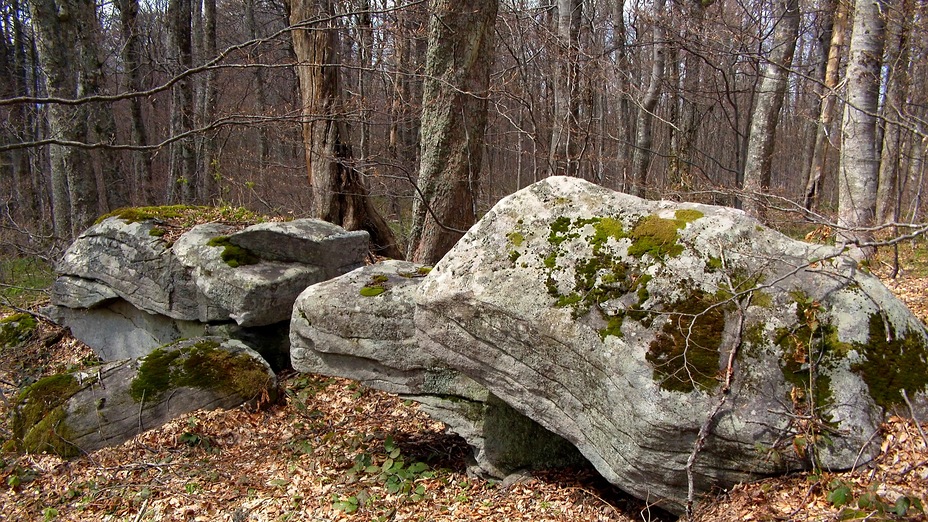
(58, 25)
(897, 86)
(132, 58)
(454, 116)
(567, 138)
(641, 159)
(767, 107)
(859, 167)
(182, 175)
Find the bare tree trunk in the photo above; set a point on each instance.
(181, 178)
(897, 86)
(74, 186)
(641, 162)
(209, 171)
(260, 88)
(685, 138)
(454, 116)
(767, 109)
(822, 139)
(132, 58)
(620, 48)
(859, 169)
(338, 192)
(567, 140)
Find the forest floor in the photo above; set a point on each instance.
(332, 450)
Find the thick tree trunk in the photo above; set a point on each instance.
(827, 114)
(182, 175)
(74, 185)
(767, 109)
(457, 72)
(338, 193)
(209, 171)
(897, 86)
(132, 59)
(641, 162)
(859, 169)
(567, 136)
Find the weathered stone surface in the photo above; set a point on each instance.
(611, 321)
(73, 413)
(178, 289)
(250, 294)
(360, 326)
(117, 330)
(307, 241)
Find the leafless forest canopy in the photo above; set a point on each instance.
(115, 103)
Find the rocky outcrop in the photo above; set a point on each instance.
(360, 326)
(124, 290)
(73, 413)
(628, 326)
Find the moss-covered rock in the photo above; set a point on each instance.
(202, 364)
(16, 329)
(234, 255)
(73, 413)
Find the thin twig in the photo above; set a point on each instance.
(918, 425)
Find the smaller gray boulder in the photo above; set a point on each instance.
(73, 413)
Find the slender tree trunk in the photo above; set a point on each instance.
(620, 48)
(769, 100)
(338, 191)
(454, 116)
(685, 139)
(859, 169)
(567, 140)
(897, 86)
(260, 89)
(132, 59)
(642, 157)
(822, 138)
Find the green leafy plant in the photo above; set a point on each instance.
(869, 505)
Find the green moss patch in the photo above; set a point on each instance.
(657, 236)
(807, 349)
(233, 255)
(203, 365)
(16, 329)
(376, 286)
(892, 364)
(186, 216)
(39, 412)
(685, 354)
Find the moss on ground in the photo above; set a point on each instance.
(203, 365)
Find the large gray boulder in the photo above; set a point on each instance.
(124, 290)
(360, 326)
(73, 413)
(627, 326)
